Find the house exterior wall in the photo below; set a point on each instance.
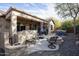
(2, 29)
(22, 35)
(50, 24)
(6, 33)
(9, 28)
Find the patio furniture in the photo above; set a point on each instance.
(30, 41)
(41, 36)
(61, 32)
(59, 40)
(52, 42)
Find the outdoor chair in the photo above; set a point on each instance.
(52, 42)
(27, 42)
(59, 40)
(30, 41)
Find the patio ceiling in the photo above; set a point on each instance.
(26, 20)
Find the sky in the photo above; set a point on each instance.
(42, 10)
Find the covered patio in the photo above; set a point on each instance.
(22, 26)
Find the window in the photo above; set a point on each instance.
(51, 27)
(33, 26)
(27, 27)
(20, 27)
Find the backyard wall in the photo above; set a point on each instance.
(26, 35)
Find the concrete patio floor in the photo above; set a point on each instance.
(68, 48)
(41, 44)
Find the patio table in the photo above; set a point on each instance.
(59, 40)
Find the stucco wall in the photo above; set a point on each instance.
(2, 29)
(4, 32)
(6, 38)
(7, 26)
(26, 35)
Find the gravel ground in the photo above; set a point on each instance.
(68, 48)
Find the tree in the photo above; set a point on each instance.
(68, 10)
(57, 23)
(67, 25)
(77, 21)
(77, 25)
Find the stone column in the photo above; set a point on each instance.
(41, 25)
(49, 28)
(13, 29)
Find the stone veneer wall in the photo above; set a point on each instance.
(26, 35)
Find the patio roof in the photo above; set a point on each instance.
(23, 12)
(2, 13)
